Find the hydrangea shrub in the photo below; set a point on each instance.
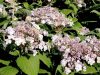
(49, 37)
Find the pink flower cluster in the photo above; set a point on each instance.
(25, 33)
(76, 52)
(50, 16)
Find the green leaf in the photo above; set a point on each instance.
(39, 2)
(5, 25)
(26, 5)
(24, 65)
(1, 1)
(74, 19)
(8, 70)
(35, 63)
(74, 8)
(82, 37)
(45, 60)
(4, 22)
(29, 66)
(59, 70)
(97, 66)
(98, 34)
(89, 70)
(14, 53)
(96, 12)
(23, 12)
(42, 71)
(77, 26)
(72, 73)
(4, 62)
(66, 11)
(67, 2)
